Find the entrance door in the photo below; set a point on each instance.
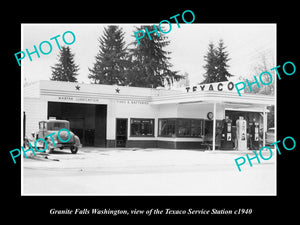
(121, 132)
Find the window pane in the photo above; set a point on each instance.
(196, 128)
(135, 127)
(190, 127)
(57, 125)
(171, 128)
(146, 127)
(142, 127)
(184, 127)
(195, 123)
(166, 127)
(162, 130)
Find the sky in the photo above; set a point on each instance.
(246, 45)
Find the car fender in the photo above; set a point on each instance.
(77, 141)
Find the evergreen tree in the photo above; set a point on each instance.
(222, 66)
(65, 69)
(216, 64)
(211, 65)
(111, 60)
(150, 63)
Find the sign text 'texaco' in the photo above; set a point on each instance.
(218, 86)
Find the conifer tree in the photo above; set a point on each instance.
(150, 62)
(216, 64)
(211, 65)
(65, 69)
(222, 66)
(111, 60)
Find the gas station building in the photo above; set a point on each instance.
(212, 116)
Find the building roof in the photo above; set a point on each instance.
(152, 96)
(55, 120)
(214, 96)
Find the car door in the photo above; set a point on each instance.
(42, 129)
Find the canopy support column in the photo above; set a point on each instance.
(264, 126)
(214, 127)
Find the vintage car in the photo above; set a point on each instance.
(47, 127)
(270, 136)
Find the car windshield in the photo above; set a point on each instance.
(57, 125)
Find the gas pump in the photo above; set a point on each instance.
(241, 133)
(227, 142)
(254, 135)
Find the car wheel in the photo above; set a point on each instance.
(74, 150)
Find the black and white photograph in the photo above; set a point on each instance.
(143, 111)
(149, 112)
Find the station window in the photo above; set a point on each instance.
(197, 128)
(141, 127)
(190, 128)
(184, 127)
(166, 127)
(177, 127)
